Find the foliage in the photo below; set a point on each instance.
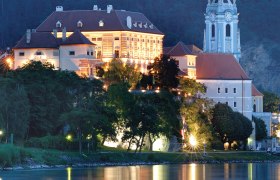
(231, 126)
(142, 115)
(190, 86)
(48, 142)
(10, 155)
(100, 71)
(92, 116)
(14, 109)
(260, 126)
(165, 71)
(50, 93)
(4, 67)
(196, 119)
(119, 72)
(271, 102)
(147, 81)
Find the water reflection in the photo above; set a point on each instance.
(249, 171)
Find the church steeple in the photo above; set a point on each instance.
(222, 34)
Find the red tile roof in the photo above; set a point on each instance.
(114, 21)
(255, 91)
(77, 38)
(180, 49)
(219, 66)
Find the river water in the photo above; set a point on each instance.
(261, 171)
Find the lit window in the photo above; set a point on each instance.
(79, 24)
(72, 53)
(21, 53)
(101, 23)
(58, 24)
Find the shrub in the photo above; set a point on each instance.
(10, 155)
(49, 142)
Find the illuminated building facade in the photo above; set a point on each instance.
(99, 36)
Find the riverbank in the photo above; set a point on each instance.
(13, 158)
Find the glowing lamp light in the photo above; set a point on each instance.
(1, 132)
(192, 141)
(69, 137)
(89, 137)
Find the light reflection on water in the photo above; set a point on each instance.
(262, 171)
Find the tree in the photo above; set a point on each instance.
(260, 126)
(165, 71)
(50, 94)
(196, 119)
(271, 102)
(119, 72)
(14, 108)
(231, 126)
(190, 86)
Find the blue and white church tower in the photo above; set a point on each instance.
(222, 34)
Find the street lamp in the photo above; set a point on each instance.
(1, 134)
(69, 137)
(204, 148)
(192, 141)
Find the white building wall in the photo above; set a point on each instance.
(187, 64)
(48, 55)
(258, 103)
(242, 97)
(72, 62)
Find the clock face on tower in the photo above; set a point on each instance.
(228, 16)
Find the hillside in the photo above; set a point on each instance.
(179, 20)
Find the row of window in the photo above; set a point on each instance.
(226, 90)
(228, 30)
(132, 39)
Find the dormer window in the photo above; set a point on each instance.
(79, 24)
(101, 23)
(58, 24)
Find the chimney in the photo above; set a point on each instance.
(55, 33)
(95, 8)
(109, 8)
(59, 8)
(64, 34)
(28, 36)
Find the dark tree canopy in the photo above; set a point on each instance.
(271, 102)
(165, 71)
(230, 125)
(260, 127)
